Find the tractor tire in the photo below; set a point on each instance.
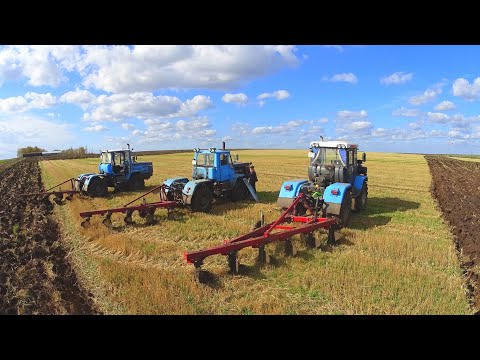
(345, 210)
(361, 200)
(136, 182)
(239, 191)
(202, 199)
(97, 187)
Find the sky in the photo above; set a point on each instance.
(387, 98)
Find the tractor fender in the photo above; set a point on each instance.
(170, 181)
(333, 201)
(359, 180)
(235, 178)
(191, 186)
(289, 191)
(89, 178)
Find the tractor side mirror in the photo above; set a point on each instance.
(364, 157)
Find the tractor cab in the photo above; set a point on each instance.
(334, 161)
(115, 162)
(212, 164)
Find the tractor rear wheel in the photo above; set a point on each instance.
(97, 187)
(344, 216)
(202, 199)
(239, 191)
(136, 182)
(361, 200)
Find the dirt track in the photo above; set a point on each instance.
(456, 186)
(35, 275)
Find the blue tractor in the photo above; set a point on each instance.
(337, 182)
(118, 169)
(215, 175)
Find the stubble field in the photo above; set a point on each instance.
(397, 257)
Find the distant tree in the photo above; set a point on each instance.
(29, 149)
(80, 150)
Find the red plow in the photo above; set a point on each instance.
(286, 226)
(57, 193)
(145, 209)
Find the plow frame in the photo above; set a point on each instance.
(280, 230)
(146, 210)
(58, 193)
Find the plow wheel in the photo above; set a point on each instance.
(107, 221)
(233, 264)
(58, 199)
(128, 218)
(85, 223)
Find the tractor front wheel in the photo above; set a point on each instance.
(136, 182)
(239, 191)
(361, 200)
(344, 216)
(202, 199)
(97, 187)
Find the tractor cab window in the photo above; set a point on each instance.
(223, 159)
(331, 156)
(119, 158)
(205, 160)
(106, 158)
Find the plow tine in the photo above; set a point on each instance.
(128, 218)
(107, 221)
(58, 199)
(85, 223)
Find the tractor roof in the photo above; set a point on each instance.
(117, 150)
(333, 144)
(207, 151)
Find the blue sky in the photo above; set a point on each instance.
(385, 98)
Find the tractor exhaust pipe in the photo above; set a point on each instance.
(223, 145)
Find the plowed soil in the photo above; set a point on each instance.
(35, 274)
(456, 185)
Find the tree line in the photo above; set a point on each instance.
(35, 149)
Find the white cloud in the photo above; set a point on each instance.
(323, 120)
(396, 78)
(118, 107)
(461, 87)
(141, 68)
(279, 95)
(82, 98)
(428, 95)
(445, 105)
(227, 138)
(351, 115)
(145, 67)
(20, 131)
(240, 128)
(344, 77)
(406, 112)
(29, 101)
(440, 118)
(127, 126)
(339, 48)
(239, 98)
(285, 128)
(95, 128)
